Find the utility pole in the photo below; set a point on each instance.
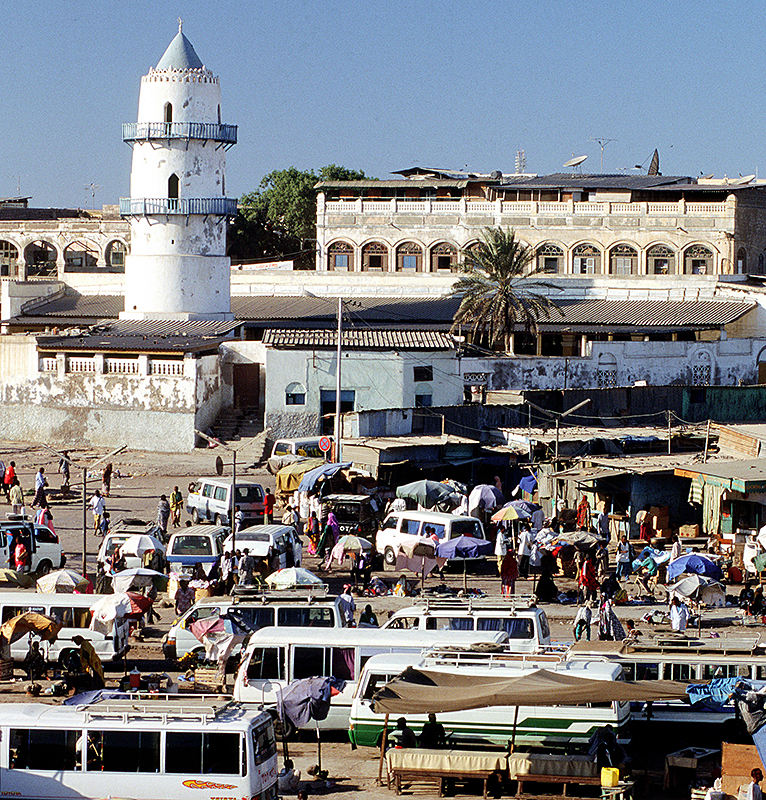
(670, 434)
(232, 504)
(338, 446)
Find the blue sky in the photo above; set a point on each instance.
(381, 86)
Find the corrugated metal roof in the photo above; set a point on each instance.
(566, 180)
(97, 306)
(359, 339)
(400, 183)
(652, 313)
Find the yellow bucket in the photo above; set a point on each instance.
(610, 776)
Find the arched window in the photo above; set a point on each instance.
(295, 394)
(587, 260)
(375, 257)
(409, 257)
(550, 259)
(80, 257)
(115, 255)
(9, 260)
(340, 256)
(623, 260)
(606, 374)
(168, 112)
(173, 187)
(661, 260)
(702, 368)
(444, 257)
(698, 260)
(741, 261)
(40, 259)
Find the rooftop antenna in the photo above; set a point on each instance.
(575, 163)
(603, 141)
(92, 187)
(521, 162)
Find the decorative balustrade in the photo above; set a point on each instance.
(48, 364)
(79, 364)
(147, 206)
(159, 367)
(122, 366)
(148, 131)
(525, 208)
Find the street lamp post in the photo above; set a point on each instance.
(338, 446)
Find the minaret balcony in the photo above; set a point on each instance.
(225, 135)
(182, 206)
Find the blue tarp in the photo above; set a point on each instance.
(696, 564)
(715, 693)
(465, 547)
(313, 475)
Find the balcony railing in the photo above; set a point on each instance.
(147, 131)
(149, 206)
(525, 208)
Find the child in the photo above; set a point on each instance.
(582, 621)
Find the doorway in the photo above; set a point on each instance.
(247, 385)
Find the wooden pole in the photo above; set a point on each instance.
(513, 735)
(383, 743)
(707, 442)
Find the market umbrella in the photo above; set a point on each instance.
(485, 496)
(465, 547)
(425, 493)
(582, 540)
(310, 479)
(290, 577)
(141, 543)
(139, 604)
(30, 622)
(109, 608)
(694, 563)
(10, 577)
(456, 486)
(419, 555)
(700, 588)
(201, 627)
(525, 505)
(509, 512)
(138, 577)
(61, 581)
(353, 544)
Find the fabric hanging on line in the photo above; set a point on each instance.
(711, 509)
(696, 491)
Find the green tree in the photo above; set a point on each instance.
(280, 217)
(492, 291)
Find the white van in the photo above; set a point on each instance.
(551, 727)
(527, 626)
(41, 543)
(277, 656)
(293, 608)
(274, 542)
(298, 447)
(399, 527)
(73, 610)
(209, 499)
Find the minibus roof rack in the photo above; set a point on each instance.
(488, 654)
(164, 707)
(315, 591)
(522, 602)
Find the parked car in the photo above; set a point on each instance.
(298, 447)
(41, 542)
(210, 500)
(400, 527)
(118, 534)
(356, 513)
(198, 544)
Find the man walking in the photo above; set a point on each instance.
(97, 506)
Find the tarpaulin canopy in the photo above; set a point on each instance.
(418, 691)
(694, 563)
(290, 476)
(30, 622)
(324, 471)
(426, 493)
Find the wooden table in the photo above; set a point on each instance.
(688, 758)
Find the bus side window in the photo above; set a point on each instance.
(202, 753)
(374, 683)
(264, 743)
(42, 749)
(343, 663)
(266, 663)
(405, 623)
(130, 751)
(647, 672)
(309, 662)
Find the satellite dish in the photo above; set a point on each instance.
(575, 162)
(746, 179)
(496, 175)
(218, 465)
(707, 177)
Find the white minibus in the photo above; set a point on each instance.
(560, 726)
(277, 656)
(73, 610)
(165, 749)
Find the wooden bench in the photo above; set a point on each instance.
(426, 776)
(564, 780)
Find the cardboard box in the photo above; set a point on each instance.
(665, 533)
(659, 511)
(660, 523)
(689, 531)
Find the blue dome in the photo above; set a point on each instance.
(180, 55)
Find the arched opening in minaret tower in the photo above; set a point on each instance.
(168, 112)
(173, 191)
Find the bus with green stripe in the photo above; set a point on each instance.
(558, 728)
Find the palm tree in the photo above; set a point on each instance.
(492, 291)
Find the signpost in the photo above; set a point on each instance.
(325, 443)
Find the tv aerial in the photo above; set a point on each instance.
(575, 163)
(602, 142)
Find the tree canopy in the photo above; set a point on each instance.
(279, 218)
(492, 291)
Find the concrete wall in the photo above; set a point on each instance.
(212, 393)
(379, 380)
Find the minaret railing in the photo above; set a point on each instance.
(151, 131)
(149, 206)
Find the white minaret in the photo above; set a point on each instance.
(177, 267)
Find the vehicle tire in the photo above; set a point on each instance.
(389, 557)
(660, 594)
(217, 520)
(284, 729)
(44, 567)
(196, 519)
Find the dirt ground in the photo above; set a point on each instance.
(139, 480)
